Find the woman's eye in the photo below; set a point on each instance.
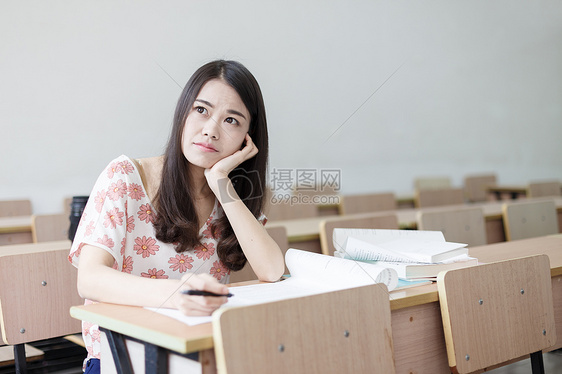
(201, 110)
(231, 120)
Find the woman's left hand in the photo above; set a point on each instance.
(223, 167)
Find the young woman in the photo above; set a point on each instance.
(157, 226)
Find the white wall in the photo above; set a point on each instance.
(476, 86)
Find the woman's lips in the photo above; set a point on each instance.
(205, 147)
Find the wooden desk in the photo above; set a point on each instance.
(15, 230)
(419, 344)
(305, 233)
(514, 191)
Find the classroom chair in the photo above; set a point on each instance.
(367, 221)
(66, 205)
(464, 225)
(431, 183)
(439, 197)
(12, 208)
(37, 289)
(49, 227)
(315, 190)
(367, 203)
(529, 219)
(283, 208)
(544, 189)
(351, 334)
(475, 187)
(279, 234)
(497, 312)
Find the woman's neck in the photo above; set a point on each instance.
(201, 189)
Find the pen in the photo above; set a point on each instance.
(203, 293)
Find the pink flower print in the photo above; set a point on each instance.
(76, 253)
(219, 270)
(113, 218)
(90, 228)
(113, 168)
(146, 246)
(86, 326)
(99, 200)
(154, 274)
(126, 167)
(211, 231)
(123, 243)
(107, 241)
(145, 213)
(135, 191)
(130, 224)
(127, 264)
(207, 234)
(82, 219)
(181, 262)
(204, 251)
(117, 190)
(96, 336)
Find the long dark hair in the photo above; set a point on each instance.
(176, 219)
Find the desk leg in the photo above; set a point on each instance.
(118, 351)
(155, 359)
(19, 358)
(207, 360)
(537, 364)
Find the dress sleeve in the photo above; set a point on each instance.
(104, 221)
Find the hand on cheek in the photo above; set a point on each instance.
(224, 166)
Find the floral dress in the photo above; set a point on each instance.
(119, 219)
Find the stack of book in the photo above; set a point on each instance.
(414, 254)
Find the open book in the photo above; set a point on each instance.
(412, 253)
(395, 245)
(311, 273)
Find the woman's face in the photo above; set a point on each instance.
(215, 126)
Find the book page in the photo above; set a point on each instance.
(363, 251)
(337, 273)
(424, 251)
(311, 273)
(379, 236)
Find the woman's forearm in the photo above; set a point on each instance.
(262, 252)
(98, 281)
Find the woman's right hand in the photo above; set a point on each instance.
(199, 305)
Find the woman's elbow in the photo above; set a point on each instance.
(273, 273)
(87, 283)
(82, 286)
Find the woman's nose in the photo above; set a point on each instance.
(211, 129)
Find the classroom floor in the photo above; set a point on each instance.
(552, 365)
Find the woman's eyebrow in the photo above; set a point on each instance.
(232, 111)
(229, 111)
(205, 102)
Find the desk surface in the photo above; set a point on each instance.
(308, 228)
(18, 249)
(172, 334)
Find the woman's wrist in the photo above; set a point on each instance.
(222, 187)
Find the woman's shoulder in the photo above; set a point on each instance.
(150, 170)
